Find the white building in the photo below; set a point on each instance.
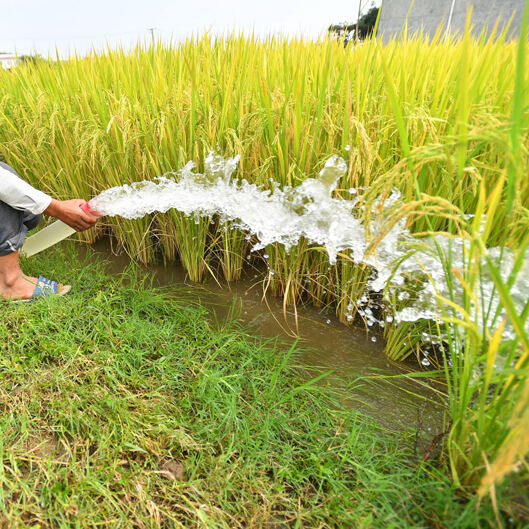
(8, 60)
(429, 15)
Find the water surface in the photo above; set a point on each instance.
(354, 359)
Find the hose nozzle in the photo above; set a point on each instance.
(87, 209)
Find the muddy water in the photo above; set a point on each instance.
(353, 359)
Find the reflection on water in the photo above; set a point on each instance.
(359, 371)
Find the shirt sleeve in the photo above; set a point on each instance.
(20, 195)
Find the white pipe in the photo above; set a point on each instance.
(449, 23)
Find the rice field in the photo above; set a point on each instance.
(443, 121)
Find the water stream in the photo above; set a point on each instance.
(410, 270)
(404, 267)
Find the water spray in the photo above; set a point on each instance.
(404, 267)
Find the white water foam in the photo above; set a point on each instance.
(407, 268)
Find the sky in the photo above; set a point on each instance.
(42, 26)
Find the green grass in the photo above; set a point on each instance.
(111, 394)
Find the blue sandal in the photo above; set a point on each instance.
(46, 287)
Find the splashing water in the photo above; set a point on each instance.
(309, 211)
(281, 216)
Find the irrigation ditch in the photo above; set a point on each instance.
(352, 357)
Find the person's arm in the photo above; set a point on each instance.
(70, 212)
(20, 195)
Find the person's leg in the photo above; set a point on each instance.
(14, 225)
(14, 284)
(13, 229)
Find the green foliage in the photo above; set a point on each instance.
(30, 59)
(124, 405)
(364, 27)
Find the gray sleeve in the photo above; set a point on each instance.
(20, 195)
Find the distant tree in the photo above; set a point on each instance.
(364, 27)
(368, 21)
(29, 59)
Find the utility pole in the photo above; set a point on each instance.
(358, 18)
(152, 32)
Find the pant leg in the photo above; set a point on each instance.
(14, 224)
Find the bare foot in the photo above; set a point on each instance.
(21, 287)
(14, 284)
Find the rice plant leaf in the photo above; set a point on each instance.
(508, 304)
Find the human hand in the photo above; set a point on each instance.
(70, 212)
